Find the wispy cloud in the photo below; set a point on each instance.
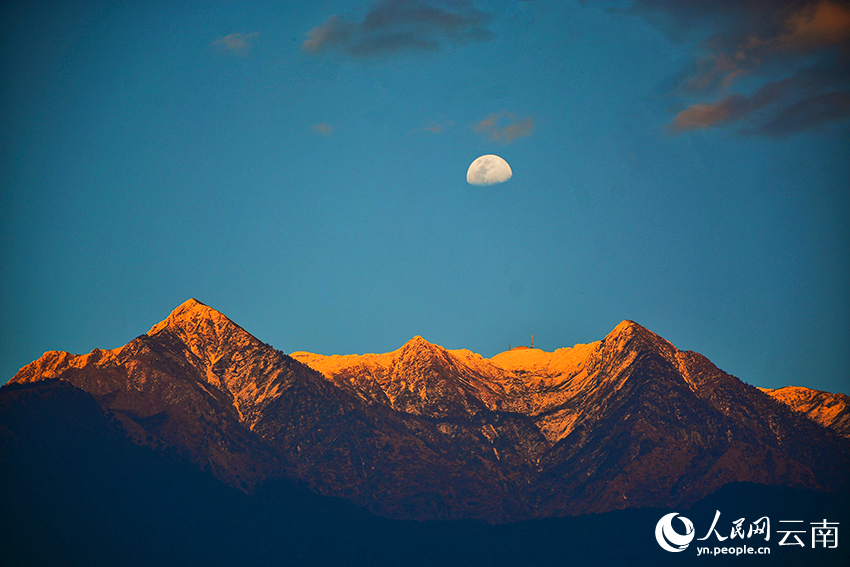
(793, 54)
(393, 26)
(437, 127)
(798, 103)
(505, 127)
(238, 43)
(323, 128)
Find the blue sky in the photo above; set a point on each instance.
(302, 168)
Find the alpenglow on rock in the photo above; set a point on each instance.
(424, 432)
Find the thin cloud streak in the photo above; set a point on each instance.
(807, 100)
(238, 43)
(435, 127)
(323, 128)
(505, 127)
(395, 26)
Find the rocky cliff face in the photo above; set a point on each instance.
(424, 432)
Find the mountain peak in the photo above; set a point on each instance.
(627, 331)
(190, 303)
(208, 333)
(419, 347)
(629, 327)
(628, 336)
(418, 342)
(190, 312)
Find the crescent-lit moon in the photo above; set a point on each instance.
(487, 170)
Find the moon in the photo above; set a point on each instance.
(487, 170)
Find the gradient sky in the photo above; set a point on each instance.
(302, 169)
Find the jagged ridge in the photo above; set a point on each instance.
(828, 409)
(426, 432)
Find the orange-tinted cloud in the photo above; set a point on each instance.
(804, 101)
(505, 127)
(436, 127)
(701, 116)
(794, 51)
(817, 25)
(394, 26)
(238, 43)
(323, 128)
(333, 33)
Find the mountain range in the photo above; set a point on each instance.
(426, 433)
